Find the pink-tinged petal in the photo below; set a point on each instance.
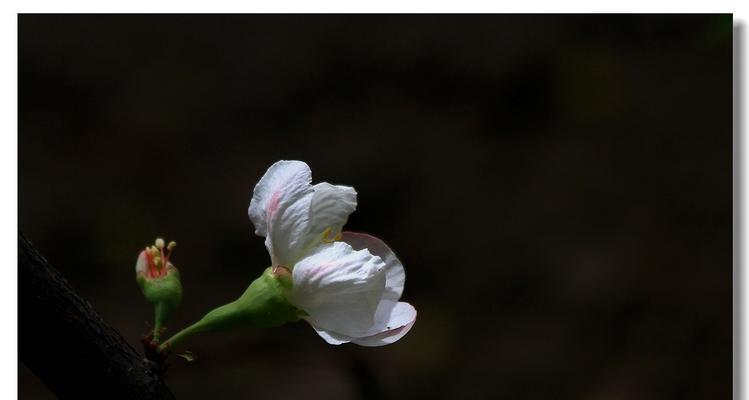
(283, 180)
(401, 319)
(339, 288)
(141, 265)
(395, 274)
(279, 209)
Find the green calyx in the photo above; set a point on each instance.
(262, 305)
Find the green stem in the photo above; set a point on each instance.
(159, 314)
(181, 335)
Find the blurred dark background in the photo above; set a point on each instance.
(558, 188)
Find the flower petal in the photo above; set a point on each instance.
(396, 275)
(339, 288)
(331, 337)
(400, 318)
(329, 211)
(279, 209)
(393, 321)
(141, 265)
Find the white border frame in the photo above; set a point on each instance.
(9, 114)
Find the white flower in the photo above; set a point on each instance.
(348, 284)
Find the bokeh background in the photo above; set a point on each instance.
(558, 188)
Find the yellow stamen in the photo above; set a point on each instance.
(153, 251)
(160, 243)
(171, 245)
(326, 236)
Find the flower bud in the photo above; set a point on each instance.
(159, 281)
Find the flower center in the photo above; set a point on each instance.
(158, 259)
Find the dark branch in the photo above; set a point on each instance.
(68, 345)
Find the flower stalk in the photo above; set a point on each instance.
(262, 305)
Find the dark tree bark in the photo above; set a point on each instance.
(68, 345)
